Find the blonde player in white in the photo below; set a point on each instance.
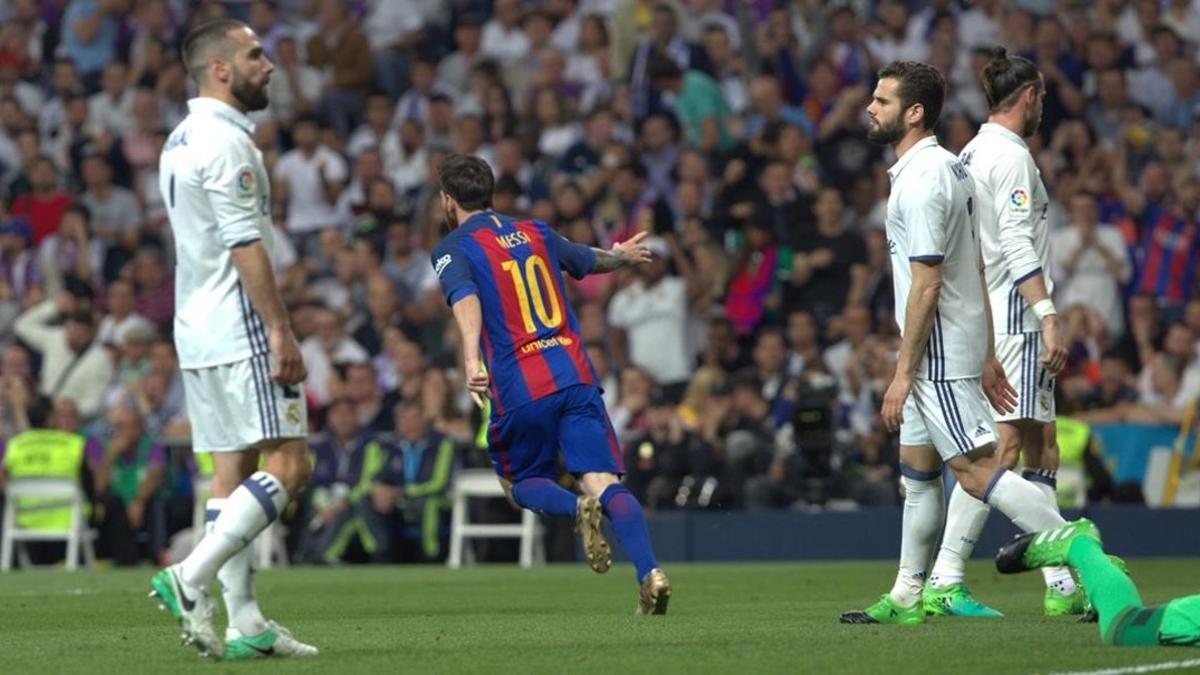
(241, 364)
(1029, 344)
(946, 372)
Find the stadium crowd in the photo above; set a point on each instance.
(743, 368)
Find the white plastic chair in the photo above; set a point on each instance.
(77, 535)
(483, 483)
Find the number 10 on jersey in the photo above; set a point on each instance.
(529, 292)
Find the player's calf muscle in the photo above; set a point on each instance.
(1009, 444)
(975, 470)
(289, 462)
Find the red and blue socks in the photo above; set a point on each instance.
(544, 496)
(629, 525)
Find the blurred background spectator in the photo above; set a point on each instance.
(742, 368)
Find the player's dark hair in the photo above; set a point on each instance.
(209, 39)
(468, 180)
(918, 83)
(1005, 77)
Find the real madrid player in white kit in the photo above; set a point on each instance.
(1012, 204)
(946, 371)
(241, 364)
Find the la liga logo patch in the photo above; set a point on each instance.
(245, 182)
(1019, 198)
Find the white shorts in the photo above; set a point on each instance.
(235, 406)
(953, 416)
(1020, 355)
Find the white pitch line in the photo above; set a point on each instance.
(1130, 670)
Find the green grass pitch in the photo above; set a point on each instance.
(724, 618)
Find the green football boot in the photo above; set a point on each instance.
(886, 611)
(276, 641)
(191, 607)
(955, 600)
(1047, 548)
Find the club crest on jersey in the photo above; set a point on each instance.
(245, 182)
(441, 264)
(1019, 198)
(293, 414)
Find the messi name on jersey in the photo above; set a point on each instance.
(512, 240)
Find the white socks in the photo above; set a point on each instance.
(252, 506)
(1058, 578)
(967, 516)
(236, 579)
(924, 509)
(965, 519)
(1025, 505)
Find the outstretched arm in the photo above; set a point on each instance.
(629, 252)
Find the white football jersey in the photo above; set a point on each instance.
(215, 188)
(931, 217)
(1012, 223)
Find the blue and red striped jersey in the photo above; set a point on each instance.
(530, 339)
(1167, 258)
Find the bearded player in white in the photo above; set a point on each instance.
(946, 371)
(1029, 343)
(241, 363)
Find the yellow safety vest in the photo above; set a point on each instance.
(204, 463)
(44, 453)
(1072, 436)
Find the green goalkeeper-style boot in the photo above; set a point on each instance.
(886, 611)
(1047, 548)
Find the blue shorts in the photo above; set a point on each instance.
(524, 442)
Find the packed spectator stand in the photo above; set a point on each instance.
(743, 368)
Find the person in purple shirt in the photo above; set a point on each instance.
(127, 469)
